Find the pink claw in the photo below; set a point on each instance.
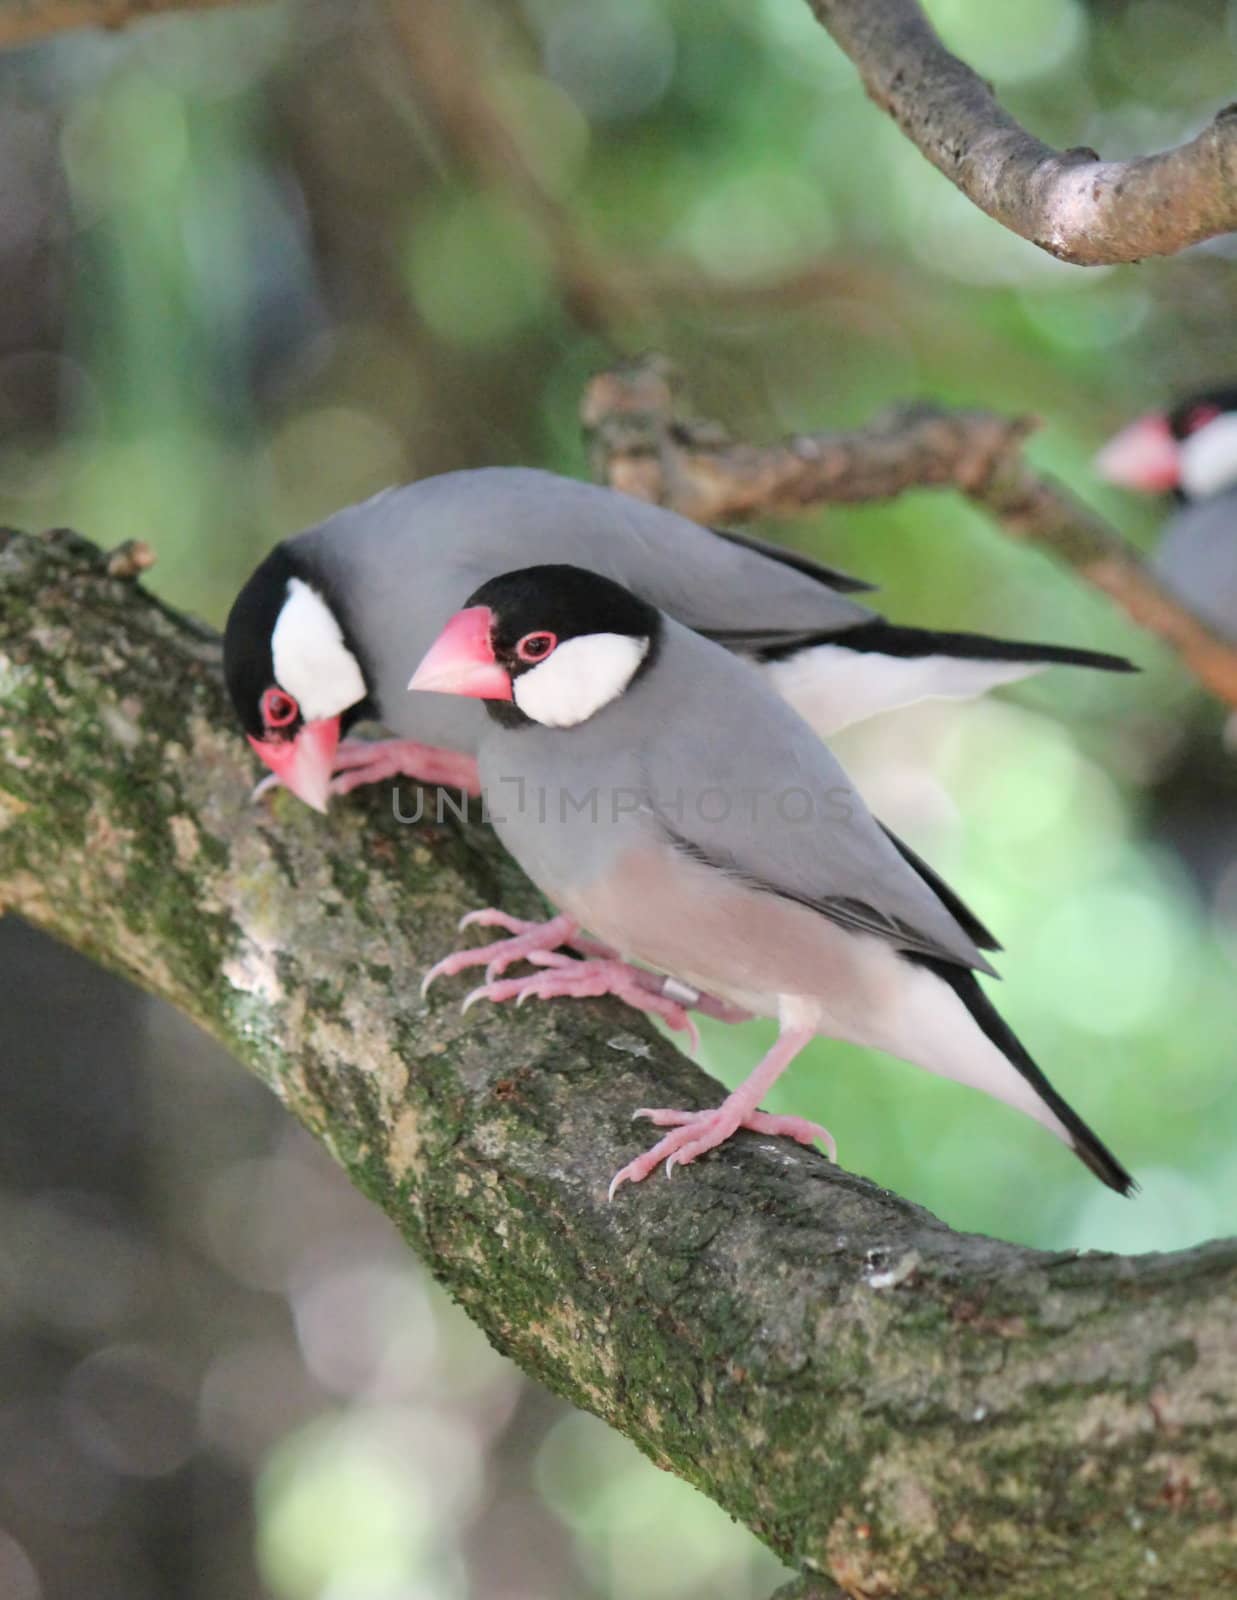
(528, 938)
(490, 917)
(602, 971)
(561, 976)
(695, 1132)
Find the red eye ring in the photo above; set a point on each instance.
(278, 709)
(1201, 416)
(536, 646)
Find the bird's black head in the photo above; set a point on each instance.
(550, 644)
(1204, 430)
(293, 673)
(1190, 451)
(248, 663)
(1197, 411)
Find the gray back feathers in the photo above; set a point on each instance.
(404, 561)
(1197, 558)
(729, 775)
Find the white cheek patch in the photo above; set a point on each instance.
(581, 676)
(310, 658)
(1209, 458)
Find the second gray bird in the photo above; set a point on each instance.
(1189, 452)
(327, 629)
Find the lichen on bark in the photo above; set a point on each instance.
(909, 1410)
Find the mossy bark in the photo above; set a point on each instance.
(909, 1410)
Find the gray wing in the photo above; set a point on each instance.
(831, 577)
(744, 784)
(1197, 557)
(709, 581)
(403, 561)
(493, 519)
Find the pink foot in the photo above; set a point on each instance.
(362, 761)
(542, 943)
(695, 1132)
(562, 975)
(528, 939)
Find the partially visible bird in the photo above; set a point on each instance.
(1190, 452)
(326, 631)
(665, 800)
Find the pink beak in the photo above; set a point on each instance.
(304, 764)
(461, 659)
(1143, 456)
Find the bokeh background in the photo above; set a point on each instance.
(259, 263)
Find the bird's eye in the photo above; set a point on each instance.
(535, 646)
(1200, 417)
(278, 708)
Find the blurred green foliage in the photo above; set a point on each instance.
(275, 286)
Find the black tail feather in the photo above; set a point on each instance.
(1089, 1149)
(953, 903)
(879, 637)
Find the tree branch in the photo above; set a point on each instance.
(1068, 202)
(640, 444)
(24, 21)
(810, 1589)
(915, 1411)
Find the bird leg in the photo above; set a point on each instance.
(698, 1131)
(601, 971)
(362, 761)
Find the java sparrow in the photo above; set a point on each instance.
(668, 801)
(1190, 451)
(327, 629)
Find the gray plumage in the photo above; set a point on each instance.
(398, 565)
(1197, 559)
(699, 759)
(394, 567)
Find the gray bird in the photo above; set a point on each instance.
(1190, 452)
(664, 799)
(327, 629)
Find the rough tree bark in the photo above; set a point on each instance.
(642, 443)
(1068, 202)
(910, 1410)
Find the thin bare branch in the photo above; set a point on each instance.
(1069, 202)
(641, 445)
